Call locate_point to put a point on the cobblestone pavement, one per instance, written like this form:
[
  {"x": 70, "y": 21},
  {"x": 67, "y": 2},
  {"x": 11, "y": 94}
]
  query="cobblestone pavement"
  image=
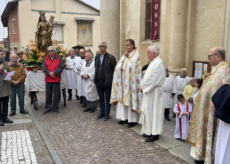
[
  {"x": 39, "y": 148},
  {"x": 79, "y": 138}
]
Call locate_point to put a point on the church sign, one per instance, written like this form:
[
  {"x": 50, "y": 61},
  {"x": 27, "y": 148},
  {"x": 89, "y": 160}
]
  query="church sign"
[{"x": 155, "y": 20}]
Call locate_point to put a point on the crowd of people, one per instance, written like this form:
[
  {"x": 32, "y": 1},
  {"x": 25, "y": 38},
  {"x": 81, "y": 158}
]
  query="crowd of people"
[{"x": 142, "y": 96}]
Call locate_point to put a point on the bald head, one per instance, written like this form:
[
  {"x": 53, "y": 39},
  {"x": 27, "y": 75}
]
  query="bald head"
[
  {"x": 88, "y": 56},
  {"x": 216, "y": 55},
  {"x": 82, "y": 53},
  {"x": 13, "y": 58}
]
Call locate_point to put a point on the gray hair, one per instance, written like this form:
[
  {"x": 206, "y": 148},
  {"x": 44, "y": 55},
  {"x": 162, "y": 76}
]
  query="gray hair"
[
  {"x": 103, "y": 43},
  {"x": 183, "y": 69},
  {"x": 90, "y": 54},
  {"x": 220, "y": 52},
  {"x": 52, "y": 48},
  {"x": 154, "y": 49},
  {"x": 72, "y": 49}
]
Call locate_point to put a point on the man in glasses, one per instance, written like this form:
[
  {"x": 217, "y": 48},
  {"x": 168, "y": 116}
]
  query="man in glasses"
[
  {"x": 105, "y": 64},
  {"x": 204, "y": 125},
  {"x": 52, "y": 67}
]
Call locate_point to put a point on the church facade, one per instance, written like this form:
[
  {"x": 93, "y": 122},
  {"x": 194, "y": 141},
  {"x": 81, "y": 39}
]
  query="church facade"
[
  {"x": 188, "y": 29},
  {"x": 77, "y": 23}
]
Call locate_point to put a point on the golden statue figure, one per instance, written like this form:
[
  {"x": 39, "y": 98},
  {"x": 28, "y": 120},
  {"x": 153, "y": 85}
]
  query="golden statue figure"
[
  {"x": 50, "y": 24},
  {"x": 43, "y": 36}
]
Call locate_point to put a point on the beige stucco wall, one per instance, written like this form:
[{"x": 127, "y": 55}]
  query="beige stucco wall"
[
  {"x": 202, "y": 22},
  {"x": 28, "y": 20}
]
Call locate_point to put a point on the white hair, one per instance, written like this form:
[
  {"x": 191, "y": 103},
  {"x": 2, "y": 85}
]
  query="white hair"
[
  {"x": 154, "y": 49},
  {"x": 52, "y": 48},
  {"x": 105, "y": 44},
  {"x": 90, "y": 54},
  {"x": 183, "y": 69}
]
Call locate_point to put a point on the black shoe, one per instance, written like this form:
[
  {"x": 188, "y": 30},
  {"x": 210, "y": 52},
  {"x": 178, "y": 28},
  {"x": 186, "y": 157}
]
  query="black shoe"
[
  {"x": 100, "y": 116},
  {"x": 1, "y": 122},
  {"x": 24, "y": 112},
  {"x": 198, "y": 162},
  {"x": 12, "y": 113},
  {"x": 81, "y": 102},
  {"x": 145, "y": 135},
  {"x": 152, "y": 138},
  {"x": 130, "y": 125},
  {"x": 47, "y": 111},
  {"x": 77, "y": 97},
  {"x": 84, "y": 105},
  {"x": 86, "y": 110},
  {"x": 69, "y": 99},
  {"x": 91, "y": 110},
  {"x": 122, "y": 122},
  {"x": 168, "y": 119},
  {"x": 7, "y": 120}
]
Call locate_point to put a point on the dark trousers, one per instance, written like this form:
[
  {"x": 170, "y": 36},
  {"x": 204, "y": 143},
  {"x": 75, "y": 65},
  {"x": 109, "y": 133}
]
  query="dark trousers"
[
  {"x": 102, "y": 90},
  {"x": 90, "y": 104},
  {"x": 20, "y": 90},
  {"x": 83, "y": 98},
  {"x": 167, "y": 112},
  {"x": 50, "y": 88},
  {"x": 70, "y": 93},
  {"x": 4, "y": 103}
]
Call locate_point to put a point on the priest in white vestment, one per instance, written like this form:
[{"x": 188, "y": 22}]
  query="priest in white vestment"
[
  {"x": 168, "y": 93},
  {"x": 88, "y": 73},
  {"x": 125, "y": 88},
  {"x": 71, "y": 75},
  {"x": 80, "y": 80},
  {"x": 181, "y": 81},
  {"x": 152, "y": 108}
]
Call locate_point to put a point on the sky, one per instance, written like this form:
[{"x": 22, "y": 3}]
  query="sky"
[{"x": 3, "y": 31}]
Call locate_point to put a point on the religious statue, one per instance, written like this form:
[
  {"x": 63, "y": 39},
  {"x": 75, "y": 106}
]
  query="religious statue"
[
  {"x": 43, "y": 34},
  {"x": 50, "y": 24}
]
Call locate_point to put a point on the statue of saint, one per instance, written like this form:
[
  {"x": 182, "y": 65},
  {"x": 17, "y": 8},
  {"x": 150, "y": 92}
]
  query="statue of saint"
[
  {"x": 43, "y": 36},
  {"x": 51, "y": 24}
]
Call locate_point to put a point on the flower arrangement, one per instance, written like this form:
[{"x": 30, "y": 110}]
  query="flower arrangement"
[{"x": 34, "y": 57}]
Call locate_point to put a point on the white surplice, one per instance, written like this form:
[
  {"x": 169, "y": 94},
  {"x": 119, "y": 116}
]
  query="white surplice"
[
  {"x": 152, "y": 108},
  {"x": 222, "y": 155},
  {"x": 80, "y": 82},
  {"x": 89, "y": 85},
  {"x": 179, "y": 85},
  {"x": 182, "y": 122},
  {"x": 168, "y": 90},
  {"x": 71, "y": 75}
]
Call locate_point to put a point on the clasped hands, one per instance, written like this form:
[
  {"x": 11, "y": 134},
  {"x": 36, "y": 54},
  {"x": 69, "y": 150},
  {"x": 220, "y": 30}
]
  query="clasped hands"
[
  {"x": 184, "y": 114},
  {"x": 85, "y": 76},
  {"x": 52, "y": 75}
]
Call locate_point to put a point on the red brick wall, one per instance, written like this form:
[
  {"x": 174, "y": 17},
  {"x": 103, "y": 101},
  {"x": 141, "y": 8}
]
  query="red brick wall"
[{"x": 13, "y": 14}]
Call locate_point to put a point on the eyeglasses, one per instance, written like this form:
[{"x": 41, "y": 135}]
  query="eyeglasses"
[
  {"x": 100, "y": 46},
  {"x": 211, "y": 55},
  {"x": 51, "y": 51}
]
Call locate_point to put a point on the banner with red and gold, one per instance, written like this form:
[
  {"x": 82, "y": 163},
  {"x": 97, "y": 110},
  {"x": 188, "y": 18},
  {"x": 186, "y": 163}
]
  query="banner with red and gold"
[{"x": 155, "y": 20}]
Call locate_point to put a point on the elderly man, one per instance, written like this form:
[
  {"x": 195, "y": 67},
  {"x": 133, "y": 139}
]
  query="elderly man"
[
  {"x": 71, "y": 75},
  {"x": 80, "y": 81},
  {"x": 204, "y": 126},
  {"x": 88, "y": 73},
  {"x": 180, "y": 83},
  {"x": 126, "y": 83},
  {"x": 17, "y": 84},
  {"x": 168, "y": 93},
  {"x": 104, "y": 67},
  {"x": 152, "y": 108},
  {"x": 52, "y": 67},
  {"x": 5, "y": 91},
  {"x": 89, "y": 50}
]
